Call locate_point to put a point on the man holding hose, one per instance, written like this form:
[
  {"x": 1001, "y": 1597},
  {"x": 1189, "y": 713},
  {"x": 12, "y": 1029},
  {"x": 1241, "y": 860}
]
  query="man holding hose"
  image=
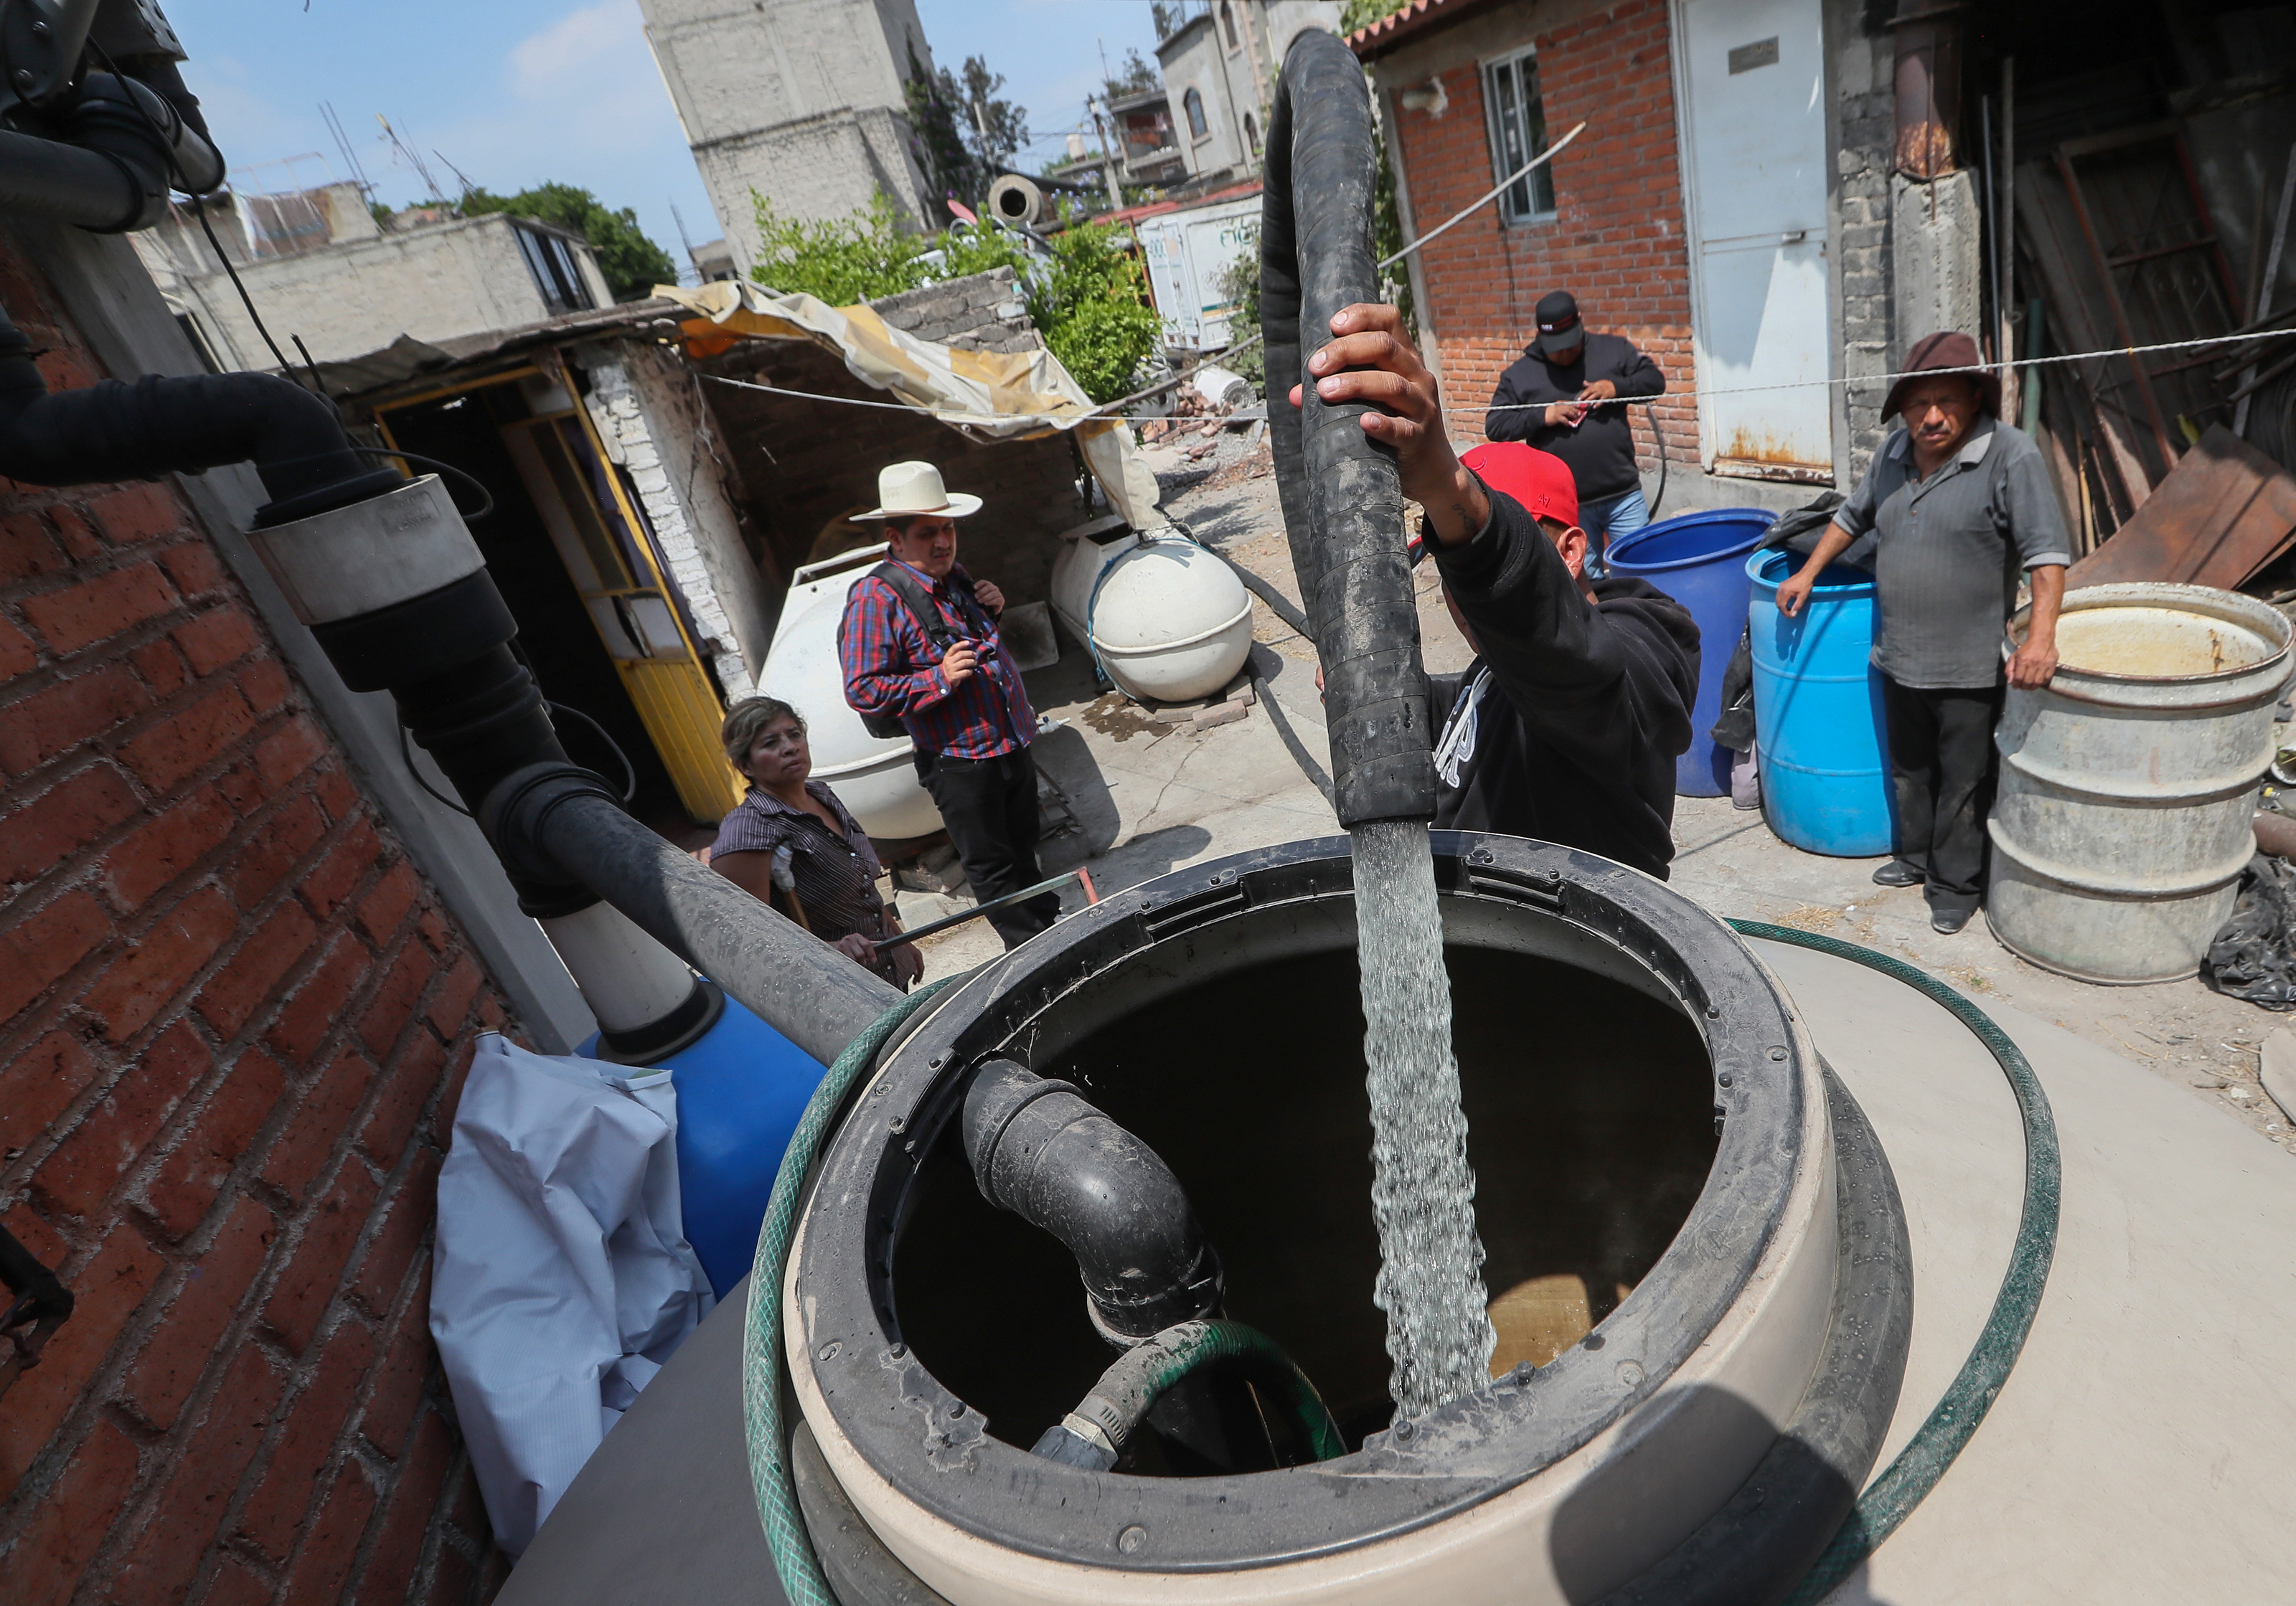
[{"x": 1567, "y": 725}]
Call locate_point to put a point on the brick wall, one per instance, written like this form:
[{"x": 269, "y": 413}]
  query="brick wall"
[
  {"x": 1616, "y": 241},
  {"x": 235, "y": 1021}
]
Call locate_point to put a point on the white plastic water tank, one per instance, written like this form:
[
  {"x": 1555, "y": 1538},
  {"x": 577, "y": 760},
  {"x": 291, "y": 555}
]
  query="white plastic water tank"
[
  {"x": 874, "y": 777},
  {"x": 1169, "y": 620}
]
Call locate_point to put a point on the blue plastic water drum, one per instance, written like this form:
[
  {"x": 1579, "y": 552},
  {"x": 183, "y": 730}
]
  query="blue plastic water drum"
[
  {"x": 1699, "y": 560},
  {"x": 740, "y": 1088},
  {"x": 1817, "y": 711}
]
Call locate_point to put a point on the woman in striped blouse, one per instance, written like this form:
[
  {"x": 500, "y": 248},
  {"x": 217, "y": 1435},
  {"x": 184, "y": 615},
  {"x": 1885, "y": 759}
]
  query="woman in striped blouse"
[{"x": 794, "y": 845}]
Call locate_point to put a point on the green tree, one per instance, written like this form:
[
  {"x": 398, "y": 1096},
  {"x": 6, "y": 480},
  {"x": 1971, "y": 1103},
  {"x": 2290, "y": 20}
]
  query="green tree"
[
  {"x": 998, "y": 128},
  {"x": 1087, "y": 298},
  {"x": 1136, "y": 75},
  {"x": 841, "y": 260},
  {"x": 937, "y": 137},
  {"x": 632, "y": 263},
  {"x": 1363, "y": 14}
]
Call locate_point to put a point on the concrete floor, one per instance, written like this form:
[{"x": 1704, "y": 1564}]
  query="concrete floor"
[{"x": 1148, "y": 792}]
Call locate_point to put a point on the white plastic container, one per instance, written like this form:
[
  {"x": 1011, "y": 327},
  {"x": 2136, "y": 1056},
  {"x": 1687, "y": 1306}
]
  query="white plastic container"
[
  {"x": 874, "y": 777},
  {"x": 1168, "y": 620}
]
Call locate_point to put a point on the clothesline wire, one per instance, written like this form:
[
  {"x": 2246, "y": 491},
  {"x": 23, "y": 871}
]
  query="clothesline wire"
[{"x": 2131, "y": 352}]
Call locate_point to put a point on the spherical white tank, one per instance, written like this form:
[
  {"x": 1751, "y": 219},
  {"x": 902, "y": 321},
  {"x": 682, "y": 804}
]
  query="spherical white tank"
[
  {"x": 1167, "y": 619},
  {"x": 874, "y": 777}
]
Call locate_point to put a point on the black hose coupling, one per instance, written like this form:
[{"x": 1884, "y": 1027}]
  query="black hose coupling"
[
  {"x": 513, "y": 815},
  {"x": 1040, "y": 1150}
]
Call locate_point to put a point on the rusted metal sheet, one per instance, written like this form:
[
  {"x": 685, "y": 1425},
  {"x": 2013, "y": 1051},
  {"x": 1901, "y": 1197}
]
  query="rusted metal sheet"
[{"x": 2224, "y": 511}]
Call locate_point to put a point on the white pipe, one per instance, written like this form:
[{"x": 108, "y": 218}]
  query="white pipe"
[{"x": 626, "y": 978}]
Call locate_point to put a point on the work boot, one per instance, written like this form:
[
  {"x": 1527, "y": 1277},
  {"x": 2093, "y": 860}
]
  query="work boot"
[
  {"x": 1949, "y": 921},
  {"x": 1897, "y": 872}
]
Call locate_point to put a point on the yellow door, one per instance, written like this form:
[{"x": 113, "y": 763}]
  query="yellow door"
[{"x": 614, "y": 569}]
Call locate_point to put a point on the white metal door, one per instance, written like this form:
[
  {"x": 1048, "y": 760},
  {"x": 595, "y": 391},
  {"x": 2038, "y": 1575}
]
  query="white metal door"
[{"x": 1749, "y": 76}]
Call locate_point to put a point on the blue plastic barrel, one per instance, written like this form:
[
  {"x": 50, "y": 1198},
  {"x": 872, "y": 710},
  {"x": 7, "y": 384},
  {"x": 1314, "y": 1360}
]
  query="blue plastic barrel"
[
  {"x": 1817, "y": 711},
  {"x": 740, "y": 1088},
  {"x": 1699, "y": 560}
]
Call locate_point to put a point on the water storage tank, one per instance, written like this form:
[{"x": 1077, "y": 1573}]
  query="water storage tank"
[
  {"x": 2122, "y": 816},
  {"x": 1664, "y": 1157},
  {"x": 1700, "y": 561},
  {"x": 1168, "y": 620},
  {"x": 1817, "y": 711},
  {"x": 874, "y": 777}
]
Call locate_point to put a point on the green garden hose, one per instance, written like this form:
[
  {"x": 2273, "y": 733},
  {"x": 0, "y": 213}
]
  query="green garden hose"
[
  {"x": 1104, "y": 1419},
  {"x": 761, "y": 1347},
  {"x": 1890, "y": 1499}
]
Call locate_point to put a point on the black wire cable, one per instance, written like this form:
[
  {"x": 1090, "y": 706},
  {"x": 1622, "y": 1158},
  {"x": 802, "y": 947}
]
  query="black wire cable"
[
  {"x": 629, "y": 770},
  {"x": 486, "y": 496},
  {"x": 198, "y": 205}
]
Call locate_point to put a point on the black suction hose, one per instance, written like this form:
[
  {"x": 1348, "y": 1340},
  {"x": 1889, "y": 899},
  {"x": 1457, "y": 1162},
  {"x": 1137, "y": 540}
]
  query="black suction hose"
[
  {"x": 160, "y": 425},
  {"x": 1343, "y": 498}
]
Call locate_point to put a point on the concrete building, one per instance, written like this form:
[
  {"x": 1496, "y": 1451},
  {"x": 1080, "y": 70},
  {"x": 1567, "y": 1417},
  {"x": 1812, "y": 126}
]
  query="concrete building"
[
  {"x": 1143, "y": 130},
  {"x": 1220, "y": 68},
  {"x": 801, "y": 102},
  {"x": 347, "y": 287}
]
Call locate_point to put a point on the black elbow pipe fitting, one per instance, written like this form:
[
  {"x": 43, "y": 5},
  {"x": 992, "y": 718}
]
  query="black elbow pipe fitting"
[
  {"x": 106, "y": 158},
  {"x": 1040, "y": 1151},
  {"x": 1343, "y": 498}
]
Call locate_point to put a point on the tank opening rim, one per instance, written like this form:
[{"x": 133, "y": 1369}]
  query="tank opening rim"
[{"x": 879, "y": 1396}]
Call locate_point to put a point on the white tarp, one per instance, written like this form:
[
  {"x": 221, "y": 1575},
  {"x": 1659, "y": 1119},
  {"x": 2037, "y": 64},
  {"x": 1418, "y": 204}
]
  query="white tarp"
[
  {"x": 988, "y": 395},
  {"x": 563, "y": 1280}
]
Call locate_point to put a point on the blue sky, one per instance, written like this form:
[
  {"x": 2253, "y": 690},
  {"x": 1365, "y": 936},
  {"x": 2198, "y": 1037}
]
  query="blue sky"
[{"x": 519, "y": 92}]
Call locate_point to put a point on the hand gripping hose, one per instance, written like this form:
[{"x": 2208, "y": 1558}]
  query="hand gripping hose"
[
  {"x": 761, "y": 1343},
  {"x": 1343, "y": 498},
  {"x": 1094, "y": 1434},
  {"x": 1890, "y": 1499}
]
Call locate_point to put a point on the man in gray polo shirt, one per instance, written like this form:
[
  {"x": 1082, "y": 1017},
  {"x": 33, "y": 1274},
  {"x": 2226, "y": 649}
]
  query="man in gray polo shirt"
[{"x": 1959, "y": 503}]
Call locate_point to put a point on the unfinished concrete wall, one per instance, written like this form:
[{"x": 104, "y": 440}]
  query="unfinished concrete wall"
[
  {"x": 461, "y": 278},
  {"x": 643, "y": 400},
  {"x": 801, "y": 103},
  {"x": 981, "y": 311}
]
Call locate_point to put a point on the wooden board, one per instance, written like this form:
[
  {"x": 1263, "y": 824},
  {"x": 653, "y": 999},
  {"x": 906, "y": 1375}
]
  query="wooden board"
[{"x": 2222, "y": 513}]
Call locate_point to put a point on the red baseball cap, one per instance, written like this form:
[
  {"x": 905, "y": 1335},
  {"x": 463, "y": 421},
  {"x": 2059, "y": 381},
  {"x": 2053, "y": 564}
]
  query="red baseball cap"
[{"x": 1541, "y": 480}]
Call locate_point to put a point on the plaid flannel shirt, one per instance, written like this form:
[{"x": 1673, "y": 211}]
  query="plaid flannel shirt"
[{"x": 891, "y": 668}]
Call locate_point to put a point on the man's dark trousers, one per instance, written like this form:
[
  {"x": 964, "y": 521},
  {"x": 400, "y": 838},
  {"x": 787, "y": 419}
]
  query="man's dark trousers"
[
  {"x": 1942, "y": 764},
  {"x": 990, "y": 806}
]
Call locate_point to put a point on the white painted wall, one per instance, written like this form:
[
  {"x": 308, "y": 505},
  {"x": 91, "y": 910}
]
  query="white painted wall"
[{"x": 434, "y": 284}]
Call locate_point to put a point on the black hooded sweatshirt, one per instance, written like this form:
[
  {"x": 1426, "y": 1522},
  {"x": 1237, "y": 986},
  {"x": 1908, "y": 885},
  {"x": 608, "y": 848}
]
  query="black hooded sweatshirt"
[{"x": 1587, "y": 707}]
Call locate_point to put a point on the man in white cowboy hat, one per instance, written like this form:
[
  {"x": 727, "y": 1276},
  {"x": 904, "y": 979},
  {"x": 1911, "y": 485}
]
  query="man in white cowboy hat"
[{"x": 920, "y": 653}]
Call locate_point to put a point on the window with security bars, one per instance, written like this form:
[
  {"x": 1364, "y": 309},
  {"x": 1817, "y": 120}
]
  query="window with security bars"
[{"x": 1518, "y": 133}]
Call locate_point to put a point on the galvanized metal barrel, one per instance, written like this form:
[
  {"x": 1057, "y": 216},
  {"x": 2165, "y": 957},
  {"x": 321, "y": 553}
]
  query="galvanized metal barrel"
[{"x": 2121, "y": 820}]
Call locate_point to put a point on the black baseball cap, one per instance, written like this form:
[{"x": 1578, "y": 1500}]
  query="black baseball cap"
[{"x": 1558, "y": 323}]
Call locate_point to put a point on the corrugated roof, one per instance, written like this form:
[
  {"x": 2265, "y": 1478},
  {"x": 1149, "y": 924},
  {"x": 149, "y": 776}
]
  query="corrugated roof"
[{"x": 1407, "y": 22}]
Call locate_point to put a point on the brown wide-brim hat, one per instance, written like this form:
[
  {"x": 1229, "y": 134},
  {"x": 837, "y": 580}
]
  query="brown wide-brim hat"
[{"x": 1950, "y": 349}]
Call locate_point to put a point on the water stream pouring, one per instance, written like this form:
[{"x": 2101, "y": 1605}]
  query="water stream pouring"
[{"x": 1343, "y": 509}]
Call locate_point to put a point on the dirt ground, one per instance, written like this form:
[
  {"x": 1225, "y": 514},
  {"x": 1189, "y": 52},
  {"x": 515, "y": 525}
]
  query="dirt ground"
[{"x": 1136, "y": 792}]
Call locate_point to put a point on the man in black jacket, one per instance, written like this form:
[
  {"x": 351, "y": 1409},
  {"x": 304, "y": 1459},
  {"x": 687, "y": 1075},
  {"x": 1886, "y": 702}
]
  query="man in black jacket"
[
  {"x": 1567, "y": 725},
  {"x": 1552, "y": 398}
]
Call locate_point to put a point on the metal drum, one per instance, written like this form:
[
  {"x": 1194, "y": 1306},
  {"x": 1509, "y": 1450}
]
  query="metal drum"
[{"x": 2122, "y": 817}]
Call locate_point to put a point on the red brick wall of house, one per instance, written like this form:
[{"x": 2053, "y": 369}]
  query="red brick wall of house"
[
  {"x": 1616, "y": 241},
  {"x": 235, "y": 1021}
]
